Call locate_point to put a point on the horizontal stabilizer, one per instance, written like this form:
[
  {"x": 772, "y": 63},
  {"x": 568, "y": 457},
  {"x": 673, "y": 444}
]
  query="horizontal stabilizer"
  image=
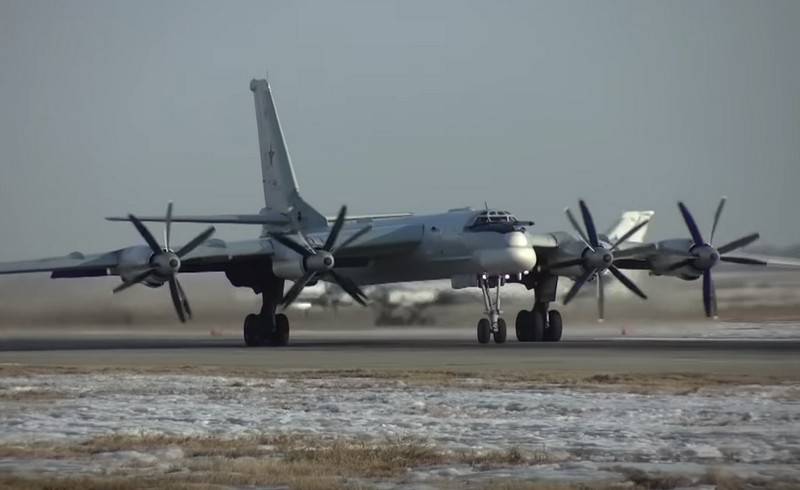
[{"x": 234, "y": 219}]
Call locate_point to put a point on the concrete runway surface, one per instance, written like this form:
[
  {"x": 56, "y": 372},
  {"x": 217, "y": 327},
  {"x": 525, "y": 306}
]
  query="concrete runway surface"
[{"x": 585, "y": 350}]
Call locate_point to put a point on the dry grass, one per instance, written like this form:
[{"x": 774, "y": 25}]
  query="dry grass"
[
  {"x": 191, "y": 446},
  {"x": 297, "y": 461},
  {"x": 30, "y": 395},
  {"x": 379, "y": 458},
  {"x": 307, "y": 463}
]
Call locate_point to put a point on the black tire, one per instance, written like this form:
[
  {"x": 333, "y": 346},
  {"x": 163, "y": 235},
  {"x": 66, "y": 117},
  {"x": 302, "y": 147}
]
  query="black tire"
[
  {"x": 500, "y": 334},
  {"x": 251, "y": 330},
  {"x": 554, "y": 328},
  {"x": 484, "y": 331},
  {"x": 523, "y": 325},
  {"x": 280, "y": 337},
  {"x": 536, "y": 327}
]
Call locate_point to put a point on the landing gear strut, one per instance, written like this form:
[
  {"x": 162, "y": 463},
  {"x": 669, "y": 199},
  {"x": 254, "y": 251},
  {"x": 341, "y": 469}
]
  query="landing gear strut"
[
  {"x": 268, "y": 327},
  {"x": 493, "y": 326}
]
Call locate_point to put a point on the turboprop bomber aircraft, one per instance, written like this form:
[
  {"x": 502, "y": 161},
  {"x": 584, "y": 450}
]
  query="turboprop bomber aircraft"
[{"x": 473, "y": 248}]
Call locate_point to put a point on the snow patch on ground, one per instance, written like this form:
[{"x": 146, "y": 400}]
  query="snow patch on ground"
[{"x": 757, "y": 428}]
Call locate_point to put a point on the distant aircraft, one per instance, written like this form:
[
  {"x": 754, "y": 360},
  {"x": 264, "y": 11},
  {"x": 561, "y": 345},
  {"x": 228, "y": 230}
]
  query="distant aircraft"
[{"x": 472, "y": 248}]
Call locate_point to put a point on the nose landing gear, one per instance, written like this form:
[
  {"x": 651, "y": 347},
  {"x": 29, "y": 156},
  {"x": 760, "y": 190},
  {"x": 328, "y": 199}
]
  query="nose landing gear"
[{"x": 494, "y": 325}]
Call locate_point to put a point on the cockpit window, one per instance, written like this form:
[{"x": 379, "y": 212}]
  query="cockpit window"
[
  {"x": 494, "y": 217},
  {"x": 493, "y": 220}
]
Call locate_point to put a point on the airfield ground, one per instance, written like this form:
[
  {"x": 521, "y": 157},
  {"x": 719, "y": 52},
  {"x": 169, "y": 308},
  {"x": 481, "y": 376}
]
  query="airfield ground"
[{"x": 699, "y": 405}]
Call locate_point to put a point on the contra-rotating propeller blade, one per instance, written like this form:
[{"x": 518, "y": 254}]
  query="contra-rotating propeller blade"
[
  {"x": 588, "y": 222},
  {"x": 599, "y": 256},
  {"x": 176, "y": 299},
  {"x": 350, "y": 287},
  {"x": 297, "y": 288},
  {"x": 325, "y": 266},
  {"x": 703, "y": 257},
  {"x": 165, "y": 263},
  {"x": 576, "y": 226},
  {"x": 134, "y": 280}
]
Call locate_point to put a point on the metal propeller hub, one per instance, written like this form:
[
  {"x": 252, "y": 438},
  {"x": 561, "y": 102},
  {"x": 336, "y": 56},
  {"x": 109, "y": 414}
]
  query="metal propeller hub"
[
  {"x": 321, "y": 261},
  {"x": 598, "y": 259},
  {"x": 706, "y": 257},
  {"x": 166, "y": 264}
]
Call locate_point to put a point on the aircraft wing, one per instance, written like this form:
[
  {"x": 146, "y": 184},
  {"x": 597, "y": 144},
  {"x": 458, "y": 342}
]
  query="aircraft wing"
[
  {"x": 215, "y": 254},
  {"x": 74, "y": 263},
  {"x": 212, "y": 255},
  {"x": 773, "y": 261}
]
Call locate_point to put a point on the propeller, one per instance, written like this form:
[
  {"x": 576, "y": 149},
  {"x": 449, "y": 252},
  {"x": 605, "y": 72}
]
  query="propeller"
[
  {"x": 165, "y": 263},
  {"x": 598, "y": 257},
  {"x": 703, "y": 256},
  {"x": 320, "y": 262}
]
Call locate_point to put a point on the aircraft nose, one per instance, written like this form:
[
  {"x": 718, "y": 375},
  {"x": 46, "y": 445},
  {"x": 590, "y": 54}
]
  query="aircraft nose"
[
  {"x": 517, "y": 239},
  {"x": 514, "y": 256},
  {"x": 522, "y": 258}
]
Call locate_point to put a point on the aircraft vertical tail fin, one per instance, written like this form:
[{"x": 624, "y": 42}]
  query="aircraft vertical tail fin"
[
  {"x": 626, "y": 222},
  {"x": 281, "y": 194}
]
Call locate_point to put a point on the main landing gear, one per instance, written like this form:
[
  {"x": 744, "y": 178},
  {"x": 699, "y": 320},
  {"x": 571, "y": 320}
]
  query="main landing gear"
[
  {"x": 260, "y": 330},
  {"x": 538, "y": 324},
  {"x": 493, "y": 326},
  {"x": 268, "y": 327}
]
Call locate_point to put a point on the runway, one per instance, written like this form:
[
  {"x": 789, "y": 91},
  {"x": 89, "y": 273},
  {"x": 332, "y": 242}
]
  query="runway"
[{"x": 401, "y": 349}]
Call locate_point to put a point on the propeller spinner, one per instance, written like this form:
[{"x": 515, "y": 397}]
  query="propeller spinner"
[
  {"x": 598, "y": 257},
  {"x": 703, "y": 256},
  {"x": 320, "y": 262},
  {"x": 165, "y": 263}
]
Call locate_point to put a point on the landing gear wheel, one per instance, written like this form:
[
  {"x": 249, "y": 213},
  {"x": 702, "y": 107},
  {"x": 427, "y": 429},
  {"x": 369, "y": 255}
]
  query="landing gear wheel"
[
  {"x": 523, "y": 320},
  {"x": 500, "y": 334},
  {"x": 536, "y": 326},
  {"x": 280, "y": 337},
  {"x": 553, "y": 331},
  {"x": 484, "y": 331},
  {"x": 252, "y": 331}
]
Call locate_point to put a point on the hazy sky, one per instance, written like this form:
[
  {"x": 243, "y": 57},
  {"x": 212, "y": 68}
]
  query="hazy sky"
[{"x": 108, "y": 107}]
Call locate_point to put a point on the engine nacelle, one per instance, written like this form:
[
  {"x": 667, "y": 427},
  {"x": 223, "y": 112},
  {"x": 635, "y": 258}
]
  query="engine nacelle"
[
  {"x": 131, "y": 260},
  {"x": 291, "y": 269},
  {"x": 671, "y": 252},
  {"x": 295, "y": 268}
]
